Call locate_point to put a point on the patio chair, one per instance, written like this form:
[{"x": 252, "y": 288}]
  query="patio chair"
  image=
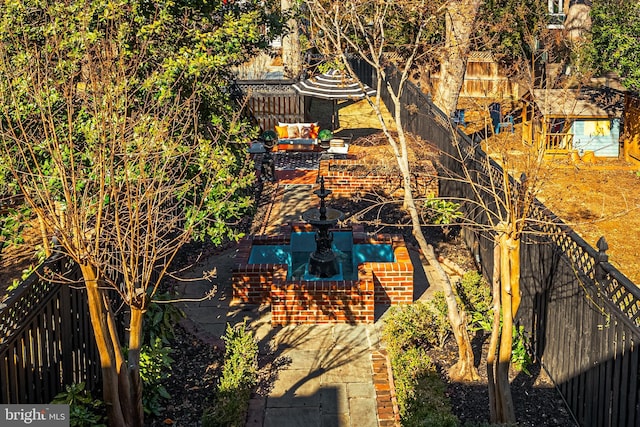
[
  {"x": 458, "y": 117},
  {"x": 500, "y": 121},
  {"x": 506, "y": 122}
]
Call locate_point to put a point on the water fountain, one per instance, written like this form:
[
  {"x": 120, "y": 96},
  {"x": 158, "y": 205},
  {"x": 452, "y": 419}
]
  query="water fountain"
[
  {"x": 315, "y": 272},
  {"x": 323, "y": 262}
]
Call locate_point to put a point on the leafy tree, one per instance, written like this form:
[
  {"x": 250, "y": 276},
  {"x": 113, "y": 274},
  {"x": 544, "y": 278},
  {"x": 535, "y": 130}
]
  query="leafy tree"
[
  {"x": 118, "y": 127},
  {"x": 508, "y": 26},
  {"x": 615, "y": 39}
]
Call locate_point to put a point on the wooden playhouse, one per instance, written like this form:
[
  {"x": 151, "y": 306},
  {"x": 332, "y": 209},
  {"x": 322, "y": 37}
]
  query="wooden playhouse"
[{"x": 564, "y": 121}]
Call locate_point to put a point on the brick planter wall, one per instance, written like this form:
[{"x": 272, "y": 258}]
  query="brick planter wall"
[
  {"x": 252, "y": 282},
  {"x": 345, "y": 183},
  {"x": 319, "y": 301},
  {"x": 349, "y": 301},
  {"x": 393, "y": 282}
]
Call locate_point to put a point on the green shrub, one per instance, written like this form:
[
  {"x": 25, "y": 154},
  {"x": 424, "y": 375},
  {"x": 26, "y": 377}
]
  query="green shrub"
[
  {"x": 84, "y": 410},
  {"x": 408, "y": 366},
  {"x": 160, "y": 319},
  {"x": 417, "y": 324},
  {"x": 474, "y": 295},
  {"x": 440, "y": 211},
  {"x": 441, "y": 323},
  {"x": 520, "y": 357},
  {"x": 155, "y": 367},
  {"x": 420, "y": 391},
  {"x": 239, "y": 376}
]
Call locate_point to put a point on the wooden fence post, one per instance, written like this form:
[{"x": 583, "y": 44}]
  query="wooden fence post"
[
  {"x": 601, "y": 258},
  {"x": 66, "y": 329}
]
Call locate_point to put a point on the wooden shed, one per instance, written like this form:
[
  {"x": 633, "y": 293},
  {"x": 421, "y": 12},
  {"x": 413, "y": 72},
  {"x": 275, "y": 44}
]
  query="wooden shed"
[
  {"x": 482, "y": 79},
  {"x": 561, "y": 121}
]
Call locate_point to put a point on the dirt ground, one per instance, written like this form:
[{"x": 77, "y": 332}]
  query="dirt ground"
[
  {"x": 600, "y": 202},
  {"x": 595, "y": 199}
]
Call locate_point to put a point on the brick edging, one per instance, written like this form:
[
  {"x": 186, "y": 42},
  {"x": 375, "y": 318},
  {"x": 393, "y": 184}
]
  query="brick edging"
[{"x": 386, "y": 401}]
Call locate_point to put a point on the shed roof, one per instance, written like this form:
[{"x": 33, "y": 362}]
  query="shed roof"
[
  {"x": 588, "y": 102},
  {"x": 481, "y": 56}
]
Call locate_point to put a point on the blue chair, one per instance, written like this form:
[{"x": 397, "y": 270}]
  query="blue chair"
[
  {"x": 499, "y": 121},
  {"x": 458, "y": 118},
  {"x": 507, "y": 121}
]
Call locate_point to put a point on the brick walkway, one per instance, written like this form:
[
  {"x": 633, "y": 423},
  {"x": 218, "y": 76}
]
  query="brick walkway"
[{"x": 386, "y": 402}]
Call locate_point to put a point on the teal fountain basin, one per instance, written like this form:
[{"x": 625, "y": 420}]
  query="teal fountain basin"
[{"x": 296, "y": 255}]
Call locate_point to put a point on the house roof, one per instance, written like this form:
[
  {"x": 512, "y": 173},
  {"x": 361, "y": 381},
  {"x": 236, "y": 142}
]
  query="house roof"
[{"x": 587, "y": 102}]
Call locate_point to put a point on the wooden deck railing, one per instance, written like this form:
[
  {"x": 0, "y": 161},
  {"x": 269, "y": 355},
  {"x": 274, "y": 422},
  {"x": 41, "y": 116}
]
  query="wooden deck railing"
[{"x": 557, "y": 143}]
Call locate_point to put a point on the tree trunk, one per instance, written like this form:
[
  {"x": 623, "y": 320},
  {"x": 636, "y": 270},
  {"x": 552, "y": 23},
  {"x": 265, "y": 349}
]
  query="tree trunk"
[
  {"x": 291, "y": 55},
  {"x": 507, "y": 410},
  {"x": 459, "y": 25},
  {"x": 464, "y": 369},
  {"x": 119, "y": 410},
  {"x": 44, "y": 235},
  {"x": 514, "y": 264},
  {"x": 135, "y": 345},
  {"x": 494, "y": 401}
]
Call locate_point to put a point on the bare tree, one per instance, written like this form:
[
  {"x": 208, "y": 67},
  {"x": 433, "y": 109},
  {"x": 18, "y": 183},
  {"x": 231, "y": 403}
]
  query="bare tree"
[
  {"x": 500, "y": 207},
  {"x": 359, "y": 27}
]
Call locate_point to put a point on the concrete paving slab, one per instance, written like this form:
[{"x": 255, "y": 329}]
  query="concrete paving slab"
[
  {"x": 362, "y": 412},
  {"x": 295, "y": 388},
  {"x": 310, "y": 337},
  {"x": 364, "y": 389},
  {"x": 353, "y": 335},
  {"x": 301, "y": 359},
  {"x": 347, "y": 373},
  {"x": 332, "y": 358},
  {"x": 334, "y": 399},
  {"x": 295, "y": 200},
  {"x": 335, "y": 420},
  {"x": 292, "y": 417}
]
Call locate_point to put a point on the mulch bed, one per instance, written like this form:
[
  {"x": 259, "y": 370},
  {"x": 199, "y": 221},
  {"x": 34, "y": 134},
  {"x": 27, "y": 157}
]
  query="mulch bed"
[{"x": 537, "y": 402}]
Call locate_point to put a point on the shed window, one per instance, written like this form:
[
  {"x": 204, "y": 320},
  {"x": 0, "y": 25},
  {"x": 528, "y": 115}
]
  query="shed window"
[{"x": 559, "y": 125}]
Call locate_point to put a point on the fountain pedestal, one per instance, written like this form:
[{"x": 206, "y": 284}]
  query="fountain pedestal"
[{"x": 323, "y": 262}]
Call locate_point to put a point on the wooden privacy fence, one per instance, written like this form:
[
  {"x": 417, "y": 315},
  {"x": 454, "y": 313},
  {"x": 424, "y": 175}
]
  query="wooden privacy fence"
[
  {"x": 46, "y": 340},
  {"x": 581, "y": 314},
  {"x": 268, "y": 102}
]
